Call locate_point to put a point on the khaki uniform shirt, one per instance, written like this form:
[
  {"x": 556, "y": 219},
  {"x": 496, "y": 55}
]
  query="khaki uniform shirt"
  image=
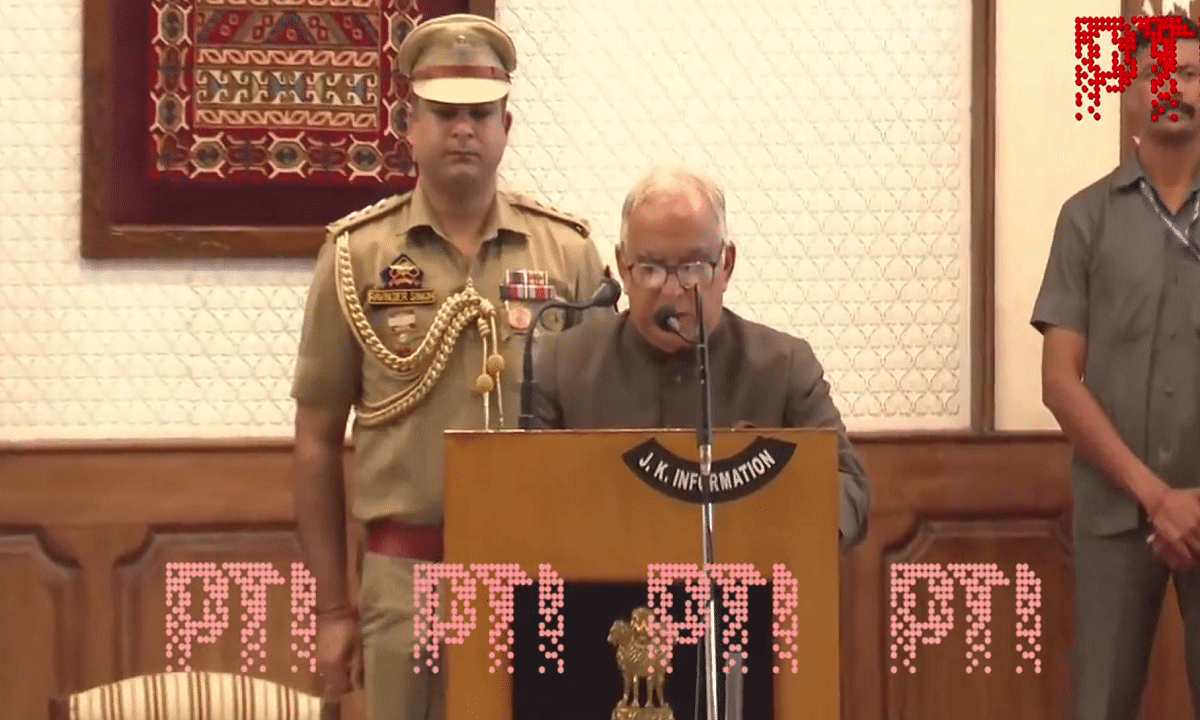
[
  {"x": 604, "y": 375},
  {"x": 527, "y": 247},
  {"x": 1117, "y": 275}
]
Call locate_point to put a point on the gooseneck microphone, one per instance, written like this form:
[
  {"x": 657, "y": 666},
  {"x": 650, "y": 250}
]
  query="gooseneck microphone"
[
  {"x": 667, "y": 319},
  {"x": 606, "y": 295}
]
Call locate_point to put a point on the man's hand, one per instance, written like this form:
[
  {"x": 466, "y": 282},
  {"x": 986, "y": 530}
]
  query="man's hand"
[
  {"x": 1163, "y": 553},
  {"x": 1176, "y": 536},
  {"x": 338, "y": 654}
]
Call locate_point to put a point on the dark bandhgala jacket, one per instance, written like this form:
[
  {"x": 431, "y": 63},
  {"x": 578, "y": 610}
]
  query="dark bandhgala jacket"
[{"x": 603, "y": 374}]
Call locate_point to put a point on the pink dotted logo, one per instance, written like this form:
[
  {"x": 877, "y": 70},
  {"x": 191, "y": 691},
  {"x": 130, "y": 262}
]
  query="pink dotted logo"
[
  {"x": 734, "y": 581},
  {"x": 976, "y": 581},
  {"x": 252, "y": 580},
  {"x": 1091, "y": 79}
]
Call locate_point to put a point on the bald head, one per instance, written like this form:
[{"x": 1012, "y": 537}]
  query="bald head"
[{"x": 676, "y": 190}]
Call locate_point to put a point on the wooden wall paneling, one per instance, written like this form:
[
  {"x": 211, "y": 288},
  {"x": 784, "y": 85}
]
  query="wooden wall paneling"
[
  {"x": 958, "y": 499},
  {"x": 1000, "y": 499},
  {"x": 86, "y": 534},
  {"x": 983, "y": 216},
  {"x": 217, "y": 598},
  {"x": 95, "y": 631},
  {"x": 40, "y": 596},
  {"x": 979, "y": 564},
  {"x": 101, "y": 523}
]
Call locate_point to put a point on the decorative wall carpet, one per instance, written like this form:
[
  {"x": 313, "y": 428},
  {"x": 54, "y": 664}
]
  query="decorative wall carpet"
[{"x": 270, "y": 90}]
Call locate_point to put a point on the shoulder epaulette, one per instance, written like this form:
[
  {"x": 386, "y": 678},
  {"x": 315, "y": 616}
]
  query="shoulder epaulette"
[
  {"x": 527, "y": 203},
  {"x": 370, "y": 212}
]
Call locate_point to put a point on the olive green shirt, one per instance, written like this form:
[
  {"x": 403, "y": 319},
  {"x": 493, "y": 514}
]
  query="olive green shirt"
[
  {"x": 1118, "y": 276},
  {"x": 603, "y": 374},
  {"x": 397, "y": 469}
]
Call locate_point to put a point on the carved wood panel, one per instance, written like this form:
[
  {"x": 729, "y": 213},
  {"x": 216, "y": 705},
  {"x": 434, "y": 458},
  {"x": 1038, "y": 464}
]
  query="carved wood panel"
[
  {"x": 229, "y": 599},
  {"x": 983, "y": 607},
  {"x": 40, "y": 594}
]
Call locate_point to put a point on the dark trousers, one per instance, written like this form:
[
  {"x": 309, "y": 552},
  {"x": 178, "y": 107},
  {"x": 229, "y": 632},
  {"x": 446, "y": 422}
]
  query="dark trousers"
[{"x": 1119, "y": 591}]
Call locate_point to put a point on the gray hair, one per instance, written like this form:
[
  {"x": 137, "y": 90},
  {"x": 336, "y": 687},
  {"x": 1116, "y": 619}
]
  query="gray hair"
[{"x": 671, "y": 180}]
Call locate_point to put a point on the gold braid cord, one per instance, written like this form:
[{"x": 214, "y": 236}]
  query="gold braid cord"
[{"x": 452, "y": 318}]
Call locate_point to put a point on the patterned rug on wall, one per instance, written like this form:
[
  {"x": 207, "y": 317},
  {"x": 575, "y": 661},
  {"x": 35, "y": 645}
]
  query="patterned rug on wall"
[
  {"x": 268, "y": 89},
  {"x": 257, "y": 112}
]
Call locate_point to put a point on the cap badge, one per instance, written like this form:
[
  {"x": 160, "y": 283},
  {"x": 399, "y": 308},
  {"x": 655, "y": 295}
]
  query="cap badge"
[{"x": 462, "y": 49}]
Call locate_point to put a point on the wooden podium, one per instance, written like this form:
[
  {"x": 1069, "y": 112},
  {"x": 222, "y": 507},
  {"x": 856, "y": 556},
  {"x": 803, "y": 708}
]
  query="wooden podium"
[{"x": 572, "y": 499}]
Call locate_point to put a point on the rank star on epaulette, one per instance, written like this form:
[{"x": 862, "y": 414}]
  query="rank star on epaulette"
[{"x": 401, "y": 285}]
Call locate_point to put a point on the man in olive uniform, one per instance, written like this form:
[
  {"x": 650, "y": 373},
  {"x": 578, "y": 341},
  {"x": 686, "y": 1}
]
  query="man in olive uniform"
[
  {"x": 416, "y": 318},
  {"x": 623, "y": 371},
  {"x": 1119, "y": 310}
]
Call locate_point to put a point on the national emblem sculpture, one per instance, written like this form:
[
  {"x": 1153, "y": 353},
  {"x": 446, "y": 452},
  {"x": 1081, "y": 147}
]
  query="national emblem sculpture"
[{"x": 640, "y": 660}]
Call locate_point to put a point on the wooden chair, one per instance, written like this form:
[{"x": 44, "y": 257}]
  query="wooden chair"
[{"x": 192, "y": 696}]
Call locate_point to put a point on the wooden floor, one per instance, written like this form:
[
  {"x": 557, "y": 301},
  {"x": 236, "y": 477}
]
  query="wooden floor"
[{"x": 109, "y": 553}]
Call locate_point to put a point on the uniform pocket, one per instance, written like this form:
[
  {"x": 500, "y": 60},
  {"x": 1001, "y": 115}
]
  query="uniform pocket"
[
  {"x": 518, "y": 317},
  {"x": 402, "y": 330},
  {"x": 1133, "y": 314}
]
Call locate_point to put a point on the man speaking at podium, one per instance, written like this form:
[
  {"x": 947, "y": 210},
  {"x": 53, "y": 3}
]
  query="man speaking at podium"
[{"x": 638, "y": 369}]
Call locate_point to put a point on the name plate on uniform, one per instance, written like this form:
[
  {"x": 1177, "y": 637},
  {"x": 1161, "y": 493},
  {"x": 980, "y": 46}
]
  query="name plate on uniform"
[
  {"x": 734, "y": 477},
  {"x": 383, "y": 296}
]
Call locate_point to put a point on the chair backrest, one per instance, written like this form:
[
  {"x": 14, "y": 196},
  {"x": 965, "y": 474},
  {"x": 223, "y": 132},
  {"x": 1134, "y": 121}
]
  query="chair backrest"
[{"x": 192, "y": 696}]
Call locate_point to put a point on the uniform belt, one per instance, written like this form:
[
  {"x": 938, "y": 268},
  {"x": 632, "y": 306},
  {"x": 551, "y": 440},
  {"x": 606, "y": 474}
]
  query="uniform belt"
[{"x": 417, "y": 542}]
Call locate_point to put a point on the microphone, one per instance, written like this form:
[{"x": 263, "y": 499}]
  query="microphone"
[
  {"x": 605, "y": 296},
  {"x": 667, "y": 320}
]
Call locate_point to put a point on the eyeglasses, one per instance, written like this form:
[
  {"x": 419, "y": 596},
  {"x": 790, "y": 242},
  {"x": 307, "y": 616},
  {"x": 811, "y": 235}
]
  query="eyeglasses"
[{"x": 653, "y": 276}]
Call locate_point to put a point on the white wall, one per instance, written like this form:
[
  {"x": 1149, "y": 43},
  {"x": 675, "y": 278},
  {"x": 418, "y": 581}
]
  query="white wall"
[
  {"x": 842, "y": 135},
  {"x": 1043, "y": 156},
  {"x": 842, "y": 214}
]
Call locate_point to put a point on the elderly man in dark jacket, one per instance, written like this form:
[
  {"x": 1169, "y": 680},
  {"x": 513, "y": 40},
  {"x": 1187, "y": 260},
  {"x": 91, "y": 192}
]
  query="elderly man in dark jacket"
[{"x": 624, "y": 371}]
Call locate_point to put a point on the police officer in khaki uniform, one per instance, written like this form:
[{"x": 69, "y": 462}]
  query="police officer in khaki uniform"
[
  {"x": 416, "y": 318},
  {"x": 624, "y": 371}
]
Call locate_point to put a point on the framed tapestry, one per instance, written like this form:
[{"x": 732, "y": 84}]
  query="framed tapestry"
[
  {"x": 1134, "y": 8},
  {"x": 240, "y": 128}
]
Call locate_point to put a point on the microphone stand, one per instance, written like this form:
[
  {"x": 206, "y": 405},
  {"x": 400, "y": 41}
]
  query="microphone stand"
[
  {"x": 704, "y": 434},
  {"x": 607, "y": 294},
  {"x": 529, "y": 421}
]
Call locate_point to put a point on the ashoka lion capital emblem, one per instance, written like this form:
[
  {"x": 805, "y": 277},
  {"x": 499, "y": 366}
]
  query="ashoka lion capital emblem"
[{"x": 639, "y": 658}]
